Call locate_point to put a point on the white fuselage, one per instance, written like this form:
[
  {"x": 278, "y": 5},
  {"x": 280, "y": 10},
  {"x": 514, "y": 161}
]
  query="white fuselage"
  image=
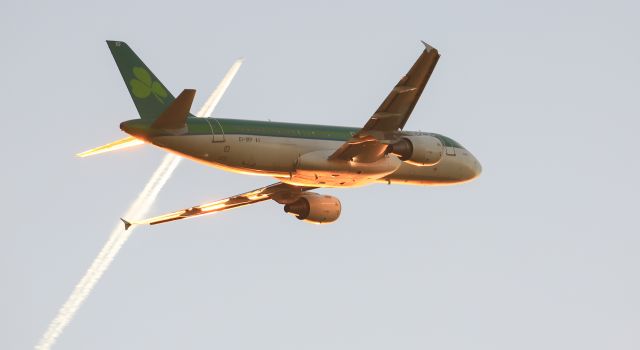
[{"x": 285, "y": 157}]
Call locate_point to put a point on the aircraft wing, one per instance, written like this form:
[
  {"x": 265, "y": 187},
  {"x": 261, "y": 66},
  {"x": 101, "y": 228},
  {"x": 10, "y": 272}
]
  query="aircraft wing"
[
  {"x": 280, "y": 192},
  {"x": 395, "y": 110},
  {"x": 393, "y": 113}
]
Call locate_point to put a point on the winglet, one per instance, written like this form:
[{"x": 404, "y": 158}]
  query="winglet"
[
  {"x": 127, "y": 224},
  {"x": 427, "y": 46}
]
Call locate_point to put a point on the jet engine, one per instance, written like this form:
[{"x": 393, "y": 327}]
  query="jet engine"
[
  {"x": 315, "y": 208},
  {"x": 423, "y": 150}
]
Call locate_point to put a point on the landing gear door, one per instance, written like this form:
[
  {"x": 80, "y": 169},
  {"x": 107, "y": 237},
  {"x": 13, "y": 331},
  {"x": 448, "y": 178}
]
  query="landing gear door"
[{"x": 216, "y": 130}]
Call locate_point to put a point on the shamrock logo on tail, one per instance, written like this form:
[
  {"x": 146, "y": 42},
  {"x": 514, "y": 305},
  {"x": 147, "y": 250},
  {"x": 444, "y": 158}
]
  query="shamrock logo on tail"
[{"x": 142, "y": 85}]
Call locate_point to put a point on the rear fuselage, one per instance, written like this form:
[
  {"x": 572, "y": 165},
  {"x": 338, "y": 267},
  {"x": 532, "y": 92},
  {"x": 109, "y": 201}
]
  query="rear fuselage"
[{"x": 284, "y": 150}]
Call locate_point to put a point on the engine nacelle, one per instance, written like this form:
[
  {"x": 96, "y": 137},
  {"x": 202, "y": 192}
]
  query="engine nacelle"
[
  {"x": 423, "y": 150},
  {"x": 315, "y": 208}
]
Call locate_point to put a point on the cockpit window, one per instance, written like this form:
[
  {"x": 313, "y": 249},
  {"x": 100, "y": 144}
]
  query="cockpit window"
[{"x": 449, "y": 142}]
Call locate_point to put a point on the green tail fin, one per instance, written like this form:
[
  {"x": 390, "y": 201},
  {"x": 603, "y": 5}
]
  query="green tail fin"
[{"x": 149, "y": 95}]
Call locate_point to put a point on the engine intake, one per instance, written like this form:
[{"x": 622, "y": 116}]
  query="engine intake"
[
  {"x": 315, "y": 208},
  {"x": 423, "y": 150}
]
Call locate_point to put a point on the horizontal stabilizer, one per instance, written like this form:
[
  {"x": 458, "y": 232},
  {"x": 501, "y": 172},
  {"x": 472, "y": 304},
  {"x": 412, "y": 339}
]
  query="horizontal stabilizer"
[
  {"x": 115, "y": 145},
  {"x": 175, "y": 116}
]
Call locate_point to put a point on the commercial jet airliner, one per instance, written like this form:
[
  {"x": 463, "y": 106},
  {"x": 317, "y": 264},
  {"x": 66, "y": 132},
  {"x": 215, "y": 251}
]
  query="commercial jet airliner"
[{"x": 301, "y": 157}]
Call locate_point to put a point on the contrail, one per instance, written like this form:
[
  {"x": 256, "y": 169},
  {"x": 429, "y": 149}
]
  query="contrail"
[
  {"x": 216, "y": 95},
  {"x": 117, "y": 238},
  {"x": 139, "y": 208}
]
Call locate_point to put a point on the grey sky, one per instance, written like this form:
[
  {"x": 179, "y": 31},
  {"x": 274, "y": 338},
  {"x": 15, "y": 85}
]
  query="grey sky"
[{"x": 540, "y": 252}]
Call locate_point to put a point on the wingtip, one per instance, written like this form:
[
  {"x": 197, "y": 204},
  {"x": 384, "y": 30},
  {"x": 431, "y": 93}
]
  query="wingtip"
[
  {"x": 427, "y": 46},
  {"x": 127, "y": 224}
]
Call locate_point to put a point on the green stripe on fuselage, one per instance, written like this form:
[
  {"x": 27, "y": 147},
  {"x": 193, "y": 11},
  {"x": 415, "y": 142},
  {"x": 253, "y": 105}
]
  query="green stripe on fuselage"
[
  {"x": 205, "y": 126},
  {"x": 291, "y": 130},
  {"x": 275, "y": 129}
]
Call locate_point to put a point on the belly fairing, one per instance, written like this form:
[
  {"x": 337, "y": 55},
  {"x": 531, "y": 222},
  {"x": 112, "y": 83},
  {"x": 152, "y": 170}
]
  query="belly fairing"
[{"x": 314, "y": 169}]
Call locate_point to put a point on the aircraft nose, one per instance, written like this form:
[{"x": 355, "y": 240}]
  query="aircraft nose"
[
  {"x": 472, "y": 168},
  {"x": 477, "y": 167}
]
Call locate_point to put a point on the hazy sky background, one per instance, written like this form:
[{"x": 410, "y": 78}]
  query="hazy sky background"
[{"x": 541, "y": 252}]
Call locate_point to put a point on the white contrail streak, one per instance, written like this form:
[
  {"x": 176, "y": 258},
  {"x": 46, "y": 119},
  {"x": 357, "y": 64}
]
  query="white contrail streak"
[
  {"x": 119, "y": 235},
  {"x": 216, "y": 95}
]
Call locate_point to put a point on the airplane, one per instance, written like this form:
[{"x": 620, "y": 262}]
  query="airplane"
[{"x": 301, "y": 157}]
